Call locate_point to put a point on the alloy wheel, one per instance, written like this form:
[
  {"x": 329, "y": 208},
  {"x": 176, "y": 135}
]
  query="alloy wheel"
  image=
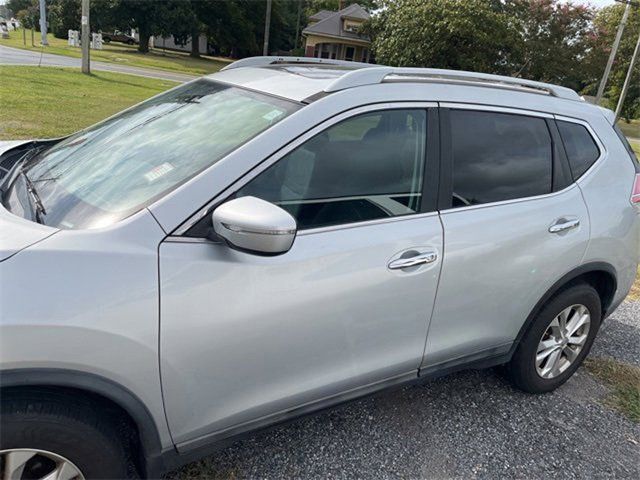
[
  {"x": 33, "y": 464},
  {"x": 562, "y": 341}
]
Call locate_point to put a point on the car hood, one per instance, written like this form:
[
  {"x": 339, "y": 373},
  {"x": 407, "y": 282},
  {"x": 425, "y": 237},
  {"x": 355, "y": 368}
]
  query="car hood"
[
  {"x": 17, "y": 234},
  {"x": 9, "y": 144}
]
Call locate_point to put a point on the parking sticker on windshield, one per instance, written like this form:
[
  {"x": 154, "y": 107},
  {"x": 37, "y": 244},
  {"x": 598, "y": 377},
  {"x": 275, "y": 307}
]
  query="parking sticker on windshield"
[
  {"x": 157, "y": 172},
  {"x": 272, "y": 115}
]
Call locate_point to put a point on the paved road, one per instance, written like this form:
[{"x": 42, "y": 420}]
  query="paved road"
[
  {"x": 15, "y": 56},
  {"x": 468, "y": 425}
]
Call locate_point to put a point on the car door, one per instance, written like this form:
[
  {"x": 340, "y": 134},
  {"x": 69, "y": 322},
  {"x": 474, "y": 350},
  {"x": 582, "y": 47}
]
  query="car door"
[
  {"x": 247, "y": 340},
  {"x": 514, "y": 224}
]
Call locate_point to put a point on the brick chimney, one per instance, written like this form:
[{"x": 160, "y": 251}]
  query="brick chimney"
[{"x": 340, "y": 4}]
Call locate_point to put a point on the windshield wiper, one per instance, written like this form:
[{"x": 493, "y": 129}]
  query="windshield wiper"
[
  {"x": 36, "y": 203},
  {"x": 14, "y": 171}
]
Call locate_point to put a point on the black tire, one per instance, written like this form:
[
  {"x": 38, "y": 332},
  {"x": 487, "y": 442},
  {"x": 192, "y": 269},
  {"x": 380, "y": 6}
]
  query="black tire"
[
  {"x": 69, "y": 426},
  {"x": 522, "y": 368},
  {"x": 130, "y": 42},
  {"x": 106, "y": 39}
]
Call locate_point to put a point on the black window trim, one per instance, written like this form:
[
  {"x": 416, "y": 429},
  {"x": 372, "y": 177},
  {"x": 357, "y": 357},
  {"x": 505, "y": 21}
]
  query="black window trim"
[
  {"x": 431, "y": 168},
  {"x": 560, "y": 162}
]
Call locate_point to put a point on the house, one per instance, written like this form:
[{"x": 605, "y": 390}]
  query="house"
[{"x": 336, "y": 35}]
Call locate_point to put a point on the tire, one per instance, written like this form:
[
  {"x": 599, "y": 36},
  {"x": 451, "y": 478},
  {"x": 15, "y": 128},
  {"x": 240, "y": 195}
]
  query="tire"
[
  {"x": 67, "y": 426},
  {"x": 106, "y": 39},
  {"x": 525, "y": 371},
  {"x": 130, "y": 42}
]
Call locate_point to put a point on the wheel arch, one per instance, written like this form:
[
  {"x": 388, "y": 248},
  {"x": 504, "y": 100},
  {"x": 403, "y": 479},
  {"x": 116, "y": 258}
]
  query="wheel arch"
[
  {"x": 96, "y": 386},
  {"x": 600, "y": 275}
]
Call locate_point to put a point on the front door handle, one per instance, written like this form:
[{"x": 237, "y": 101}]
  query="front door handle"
[
  {"x": 563, "y": 225},
  {"x": 419, "y": 259}
]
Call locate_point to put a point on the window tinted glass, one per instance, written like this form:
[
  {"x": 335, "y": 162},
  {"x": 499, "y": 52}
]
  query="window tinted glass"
[
  {"x": 498, "y": 156},
  {"x": 364, "y": 168},
  {"x": 581, "y": 149},
  {"x": 113, "y": 169}
]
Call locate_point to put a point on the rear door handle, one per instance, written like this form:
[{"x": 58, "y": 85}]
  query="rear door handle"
[
  {"x": 420, "y": 259},
  {"x": 563, "y": 225}
]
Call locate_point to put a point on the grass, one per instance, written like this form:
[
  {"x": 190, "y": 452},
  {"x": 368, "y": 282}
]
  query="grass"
[
  {"x": 123, "y": 54},
  {"x": 624, "y": 380},
  {"x": 631, "y": 129},
  {"x": 50, "y": 102}
]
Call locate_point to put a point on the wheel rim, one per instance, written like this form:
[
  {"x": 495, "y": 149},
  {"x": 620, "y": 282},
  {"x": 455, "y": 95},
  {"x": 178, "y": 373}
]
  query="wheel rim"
[
  {"x": 33, "y": 464},
  {"x": 562, "y": 341}
]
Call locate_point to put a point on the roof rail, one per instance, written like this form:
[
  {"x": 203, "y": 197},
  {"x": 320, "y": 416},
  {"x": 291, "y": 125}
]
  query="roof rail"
[
  {"x": 267, "y": 61},
  {"x": 375, "y": 75}
]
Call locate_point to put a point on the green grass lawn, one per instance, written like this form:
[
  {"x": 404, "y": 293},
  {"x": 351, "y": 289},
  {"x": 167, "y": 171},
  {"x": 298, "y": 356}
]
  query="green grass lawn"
[
  {"x": 50, "y": 102},
  {"x": 624, "y": 381},
  {"x": 123, "y": 54},
  {"x": 631, "y": 129}
]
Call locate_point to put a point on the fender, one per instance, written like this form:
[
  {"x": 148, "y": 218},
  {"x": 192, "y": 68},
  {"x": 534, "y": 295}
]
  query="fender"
[
  {"x": 558, "y": 285},
  {"x": 89, "y": 382}
]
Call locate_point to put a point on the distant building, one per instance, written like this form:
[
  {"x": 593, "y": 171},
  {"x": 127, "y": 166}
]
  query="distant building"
[
  {"x": 169, "y": 43},
  {"x": 336, "y": 35}
]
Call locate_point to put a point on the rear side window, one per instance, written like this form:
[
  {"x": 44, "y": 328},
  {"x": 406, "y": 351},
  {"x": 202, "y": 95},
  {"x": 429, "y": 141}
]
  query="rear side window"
[
  {"x": 499, "y": 156},
  {"x": 581, "y": 149}
]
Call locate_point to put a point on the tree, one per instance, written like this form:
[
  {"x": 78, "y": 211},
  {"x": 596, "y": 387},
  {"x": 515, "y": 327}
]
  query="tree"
[
  {"x": 458, "y": 34},
  {"x": 64, "y": 15},
  {"x": 146, "y": 17},
  {"x": 606, "y": 24},
  {"x": 16, "y": 6},
  {"x": 555, "y": 39},
  {"x": 28, "y": 17}
]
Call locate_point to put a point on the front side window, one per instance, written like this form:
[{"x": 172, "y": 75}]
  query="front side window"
[
  {"x": 581, "y": 149},
  {"x": 498, "y": 157},
  {"x": 115, "y": 168},
  {"x": 365, "y": 168}
]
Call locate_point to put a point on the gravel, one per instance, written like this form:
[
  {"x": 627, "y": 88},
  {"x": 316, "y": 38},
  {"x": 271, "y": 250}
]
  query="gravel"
[{"x": 468, "y": 425}]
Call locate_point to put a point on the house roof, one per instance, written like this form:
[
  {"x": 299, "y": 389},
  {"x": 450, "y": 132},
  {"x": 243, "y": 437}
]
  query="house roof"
[
  {"x": 332, "y": 25},
  {"x": 321, "y": 15}
]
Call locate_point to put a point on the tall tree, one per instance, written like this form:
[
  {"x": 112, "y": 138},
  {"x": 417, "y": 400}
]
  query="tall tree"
[
  {"x": 17, "y": 5},
  {"x": 606, "y": 23},
  {"x": 147, "y": 17},
  {"x": 457, "y": 34},
  {"x": 554, "y": 39}
]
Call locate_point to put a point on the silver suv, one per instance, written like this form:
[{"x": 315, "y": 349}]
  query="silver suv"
[{"x": 288, "y": 234}]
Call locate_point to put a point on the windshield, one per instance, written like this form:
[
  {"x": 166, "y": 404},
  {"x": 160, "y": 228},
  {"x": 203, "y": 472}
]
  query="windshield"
[{"x": 115, "y": 168}]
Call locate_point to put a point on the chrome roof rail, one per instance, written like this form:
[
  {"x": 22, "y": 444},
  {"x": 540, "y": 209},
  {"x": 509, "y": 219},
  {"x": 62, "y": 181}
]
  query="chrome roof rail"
[
  {"x": 270, "y": 61},
  {"x": 376, "y": 75}
]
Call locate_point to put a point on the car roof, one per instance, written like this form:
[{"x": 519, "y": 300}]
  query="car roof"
[
  {"x": 294, "y": 82},
  {"x": 304, "y": 79}
]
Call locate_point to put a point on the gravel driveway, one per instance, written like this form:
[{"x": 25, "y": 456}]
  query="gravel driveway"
[{"x": 468, "y": 425}]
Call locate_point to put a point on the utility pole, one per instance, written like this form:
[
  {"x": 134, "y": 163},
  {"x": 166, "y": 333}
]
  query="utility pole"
[
  {"x": 43, "y": 23},
  {"x": 267, "y": 27},
  {"x": 614, "y": 50},
  {"x": 295, "y": 44},
  {"x": 84, "y": 38},
  {"x": 627, "y": 80}
]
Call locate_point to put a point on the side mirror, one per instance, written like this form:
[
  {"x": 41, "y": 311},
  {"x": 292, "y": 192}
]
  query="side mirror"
[{"x": 255, "y": 226}]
